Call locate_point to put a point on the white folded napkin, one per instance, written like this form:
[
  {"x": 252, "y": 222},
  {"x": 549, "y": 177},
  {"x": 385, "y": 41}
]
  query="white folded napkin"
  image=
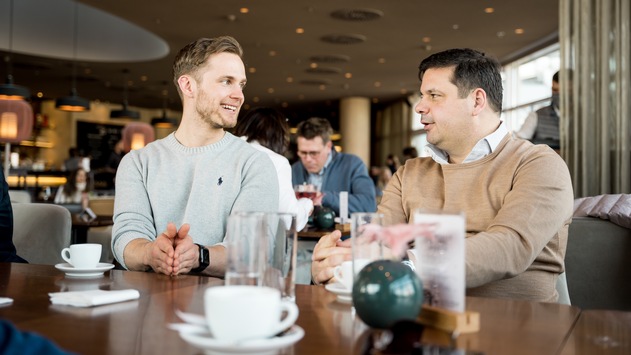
[
  {"x": 92, "y": 297},
  {"x": 5, "y": 300}
]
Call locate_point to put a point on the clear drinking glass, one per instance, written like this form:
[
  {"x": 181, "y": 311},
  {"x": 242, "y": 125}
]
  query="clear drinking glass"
[
  {"x": 245, "y": 241},
  {"x": 282, "y": 239}
]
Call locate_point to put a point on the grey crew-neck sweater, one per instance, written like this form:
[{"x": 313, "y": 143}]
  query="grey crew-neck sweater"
[{"x": 169, "y": 182}]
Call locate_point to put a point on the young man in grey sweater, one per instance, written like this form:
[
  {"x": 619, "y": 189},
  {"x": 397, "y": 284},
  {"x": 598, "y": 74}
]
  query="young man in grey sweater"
[{"x": 174, "y": 196}]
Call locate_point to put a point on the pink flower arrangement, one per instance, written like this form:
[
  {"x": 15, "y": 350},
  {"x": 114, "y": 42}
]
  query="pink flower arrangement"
[{"x": 397, "y": 237}]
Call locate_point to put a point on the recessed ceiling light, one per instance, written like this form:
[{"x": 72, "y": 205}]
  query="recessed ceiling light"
[
  {"x": 377, "y": 84},
  {"x": 322, "y": 87},
  {"x": 381, "y": 60},
  {"x": 144, "y": 78},
  {"x": 489, "y": 10},
  {"x": 244, "y": 10},
  {"x": 313, "y": 65},
  {"x": 300, "y": 30},
  {"x": 270, "y": 90},
  {"x": 426, "y": 39},
  {"x": 290, "y": 79},
  {"x": 348, "y": 75},
  {"x": 403, "y": 91},
  {"x": 256, "y": 99},
  {"x": 501, "y": 34},
  {"x": 252, "y": 70},
  {"x": 272, "y": 53},
  {"x": 519, "y": 31},
  {"x": 40, "y": 94},
  {"x": 455, "y": 26}
]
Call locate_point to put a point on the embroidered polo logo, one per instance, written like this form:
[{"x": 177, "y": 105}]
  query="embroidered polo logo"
[{"x": 220, "y": 181}]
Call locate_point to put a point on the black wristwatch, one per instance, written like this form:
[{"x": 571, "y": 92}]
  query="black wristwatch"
[{"x": 204, "y": 259}]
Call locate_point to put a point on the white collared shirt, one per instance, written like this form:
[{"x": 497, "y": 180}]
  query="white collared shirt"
[
  {"x": 316, "y": 178},
  {"x": 484, "y": 147}
]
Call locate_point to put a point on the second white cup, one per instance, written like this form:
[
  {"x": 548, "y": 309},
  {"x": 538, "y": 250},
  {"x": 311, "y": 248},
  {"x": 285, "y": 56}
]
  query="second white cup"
[
  {"x": 240, "y": 312},
  {"x": 82, "y": 256}
]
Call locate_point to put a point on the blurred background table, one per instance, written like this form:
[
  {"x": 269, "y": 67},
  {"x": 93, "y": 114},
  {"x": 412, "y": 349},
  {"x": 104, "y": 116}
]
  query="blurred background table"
[{"x": 80, "y": 226}]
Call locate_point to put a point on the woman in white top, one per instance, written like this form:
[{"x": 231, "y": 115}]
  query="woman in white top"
[
  {"x": 266, "y": 129},
  {"x": 75, "y": 190}
]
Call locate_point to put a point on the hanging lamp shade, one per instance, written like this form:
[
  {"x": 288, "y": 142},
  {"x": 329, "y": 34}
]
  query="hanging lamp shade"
[
  {"x": 164, "y": 121},
  {"x": 136, "y": 135},
  {"x": 16, "y": 120},
  {"x": 125, "y": 113},
  {"x": 72, "y": 103},
  {"x": 10, "y": 91}
]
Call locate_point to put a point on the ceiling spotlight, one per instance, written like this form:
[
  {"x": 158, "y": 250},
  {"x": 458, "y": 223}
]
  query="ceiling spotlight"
[
  {"x": 300, "y": 30},
  {"x": 519, "y": 31},
  {"x": 489, "y": 10}
]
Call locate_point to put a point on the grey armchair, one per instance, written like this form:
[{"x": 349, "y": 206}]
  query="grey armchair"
[
  {"x": 597, "y": 264},
  {"x": 41, "y": 231}
]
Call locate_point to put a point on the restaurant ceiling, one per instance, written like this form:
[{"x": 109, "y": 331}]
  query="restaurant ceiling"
[{"x": 368, "y": 48}]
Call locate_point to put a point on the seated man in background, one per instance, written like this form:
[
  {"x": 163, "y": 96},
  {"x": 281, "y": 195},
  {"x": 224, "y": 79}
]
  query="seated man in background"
[
  {"x": 517, "y": 216},
  {"x": 173, "y": 197},
  {"x": 331, "y": 171}
]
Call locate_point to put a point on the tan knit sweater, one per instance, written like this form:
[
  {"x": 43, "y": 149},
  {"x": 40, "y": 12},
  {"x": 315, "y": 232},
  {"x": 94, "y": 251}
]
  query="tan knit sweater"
[{"x": 518, "y": 205}]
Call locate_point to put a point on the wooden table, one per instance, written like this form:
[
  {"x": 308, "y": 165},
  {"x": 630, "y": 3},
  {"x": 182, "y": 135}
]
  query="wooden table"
[
  {"x": 139, "y": 327},
  {"x": 600, "y": 332},
  {"x": 80, "y": 226}
]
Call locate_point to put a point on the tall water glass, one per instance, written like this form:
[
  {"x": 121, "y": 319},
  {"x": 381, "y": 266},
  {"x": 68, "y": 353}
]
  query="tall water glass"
[
  {"x": 280, "y": 266},
  {"x": 365, "y": 247},
  {"x": 246, "y": 242}
]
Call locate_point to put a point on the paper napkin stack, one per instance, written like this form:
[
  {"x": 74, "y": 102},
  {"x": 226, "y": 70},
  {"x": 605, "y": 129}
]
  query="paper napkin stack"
[{"x": 92, "y": 297}]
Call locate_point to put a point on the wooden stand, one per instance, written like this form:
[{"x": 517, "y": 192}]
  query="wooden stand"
[
  {"x": 449, "y": 321},
  {"x": 344, "y": 228}
]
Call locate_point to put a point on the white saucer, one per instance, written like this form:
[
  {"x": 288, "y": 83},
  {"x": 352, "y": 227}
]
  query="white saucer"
[
  {"x": 203, "y": 340},
  {"x": 343, "y": 294},
  {"x": 89, "y": 272}
]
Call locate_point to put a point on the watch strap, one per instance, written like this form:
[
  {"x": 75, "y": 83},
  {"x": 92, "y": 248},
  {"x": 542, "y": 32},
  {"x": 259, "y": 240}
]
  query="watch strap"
[{"x": 204, "y": 259}]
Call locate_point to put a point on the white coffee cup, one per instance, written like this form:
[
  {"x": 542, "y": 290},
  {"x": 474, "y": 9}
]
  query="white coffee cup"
[
  {"x": 82, "y": 256},
  {"x": 241, "y": 312},
  {"x": 344, "y": 272}
]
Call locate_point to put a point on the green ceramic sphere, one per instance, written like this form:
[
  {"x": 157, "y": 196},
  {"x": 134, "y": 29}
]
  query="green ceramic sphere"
[
  {"x": 324, "y": 217},
  {"x": 386, "y": 292}
]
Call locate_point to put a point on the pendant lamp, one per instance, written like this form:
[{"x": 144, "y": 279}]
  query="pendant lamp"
[
  {"x": 74, "y": 103},
  {"x": 136, "y": 135},
  {"x": 8, "y": 90},
  {"x": 164, "y": 121},
  {"x": 125, "y": 112}
]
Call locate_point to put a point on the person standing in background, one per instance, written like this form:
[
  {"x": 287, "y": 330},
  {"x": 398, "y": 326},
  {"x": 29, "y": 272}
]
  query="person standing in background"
[
  {"x": 266, "y": 129},
  {"x": 542, "y": 126},
  {"x": 332, "y": 172}
]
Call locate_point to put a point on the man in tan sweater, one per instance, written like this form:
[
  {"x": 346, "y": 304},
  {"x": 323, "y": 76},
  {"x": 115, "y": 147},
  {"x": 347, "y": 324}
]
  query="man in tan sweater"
[{"x": 517, "y": 197}]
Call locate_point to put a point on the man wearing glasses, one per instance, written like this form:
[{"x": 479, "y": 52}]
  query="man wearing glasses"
[{"x": 330, "y": 171}]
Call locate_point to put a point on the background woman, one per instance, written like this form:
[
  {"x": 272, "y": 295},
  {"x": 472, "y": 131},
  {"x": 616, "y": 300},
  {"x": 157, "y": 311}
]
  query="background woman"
[
  {"x": 75, "y": 190},
  {"x": 266, "y": 129}
]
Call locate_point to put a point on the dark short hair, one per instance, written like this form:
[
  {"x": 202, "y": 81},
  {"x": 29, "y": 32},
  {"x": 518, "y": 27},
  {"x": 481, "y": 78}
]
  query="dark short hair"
[
  {"x": 555, "y": 77},
  {"x": 267, "y": 126},
  {"x": 315, "y": 127},
  {"x": 472, "y": 70},
  {"x": 194, "y": 55}
]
